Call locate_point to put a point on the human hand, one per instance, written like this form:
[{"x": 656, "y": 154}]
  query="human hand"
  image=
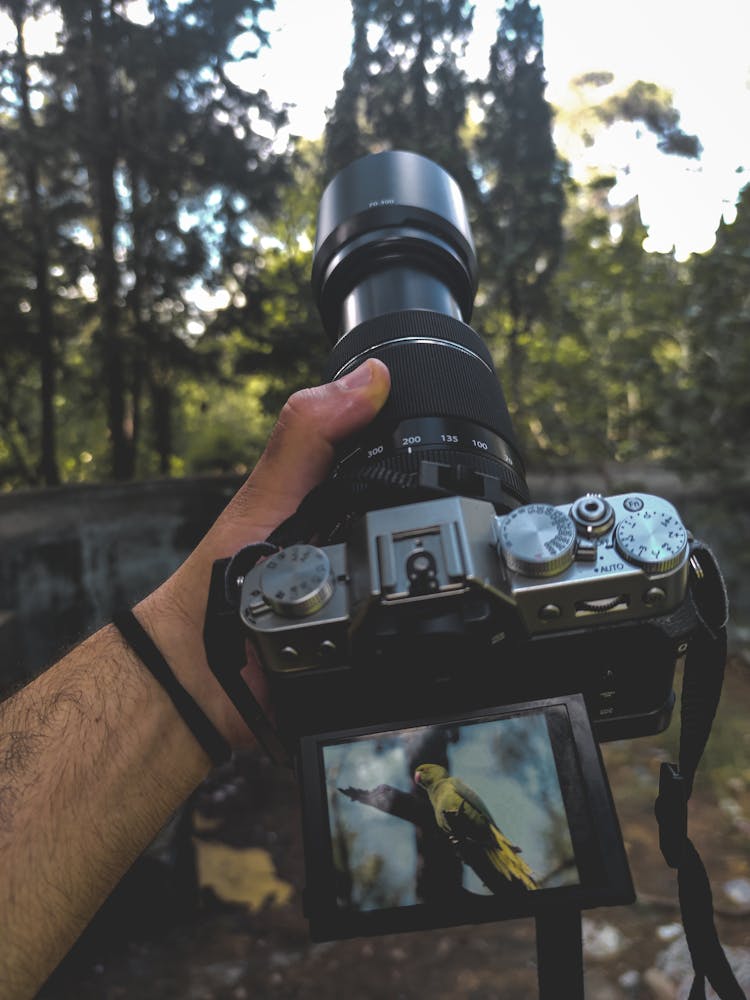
[{"x": 298, "y": 456}]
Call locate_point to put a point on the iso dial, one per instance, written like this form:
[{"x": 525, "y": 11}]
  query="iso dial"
[
  {"x": 652, "y": 538},
  {"x": 537, "y": 540}
]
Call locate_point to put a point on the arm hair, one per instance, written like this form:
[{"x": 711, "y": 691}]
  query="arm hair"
[{"x": 93, "y": 761}]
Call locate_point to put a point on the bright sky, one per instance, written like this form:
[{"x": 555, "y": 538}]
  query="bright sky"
[{"x": 699, "y": 52}]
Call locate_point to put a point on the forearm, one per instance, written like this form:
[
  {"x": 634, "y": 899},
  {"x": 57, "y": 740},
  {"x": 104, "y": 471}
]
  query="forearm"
[
  {"x": 94, "y": 757},
  {"x": 93, "y": 761}
]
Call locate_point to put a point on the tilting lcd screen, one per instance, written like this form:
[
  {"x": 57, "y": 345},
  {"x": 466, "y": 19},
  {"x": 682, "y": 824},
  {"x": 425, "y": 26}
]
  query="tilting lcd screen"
[{"x": 481, "y": 818}]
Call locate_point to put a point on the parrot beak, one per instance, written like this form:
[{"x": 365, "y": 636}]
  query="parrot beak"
[{"x": 417, "y": 777}]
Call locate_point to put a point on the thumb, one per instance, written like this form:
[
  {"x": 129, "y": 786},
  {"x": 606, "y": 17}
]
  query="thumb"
[{"x": 301, "y": 448}]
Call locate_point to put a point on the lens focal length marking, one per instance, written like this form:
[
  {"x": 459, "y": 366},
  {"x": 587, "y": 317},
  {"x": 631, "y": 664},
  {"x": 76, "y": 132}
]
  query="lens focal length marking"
[{"x": 437, "y": 432}]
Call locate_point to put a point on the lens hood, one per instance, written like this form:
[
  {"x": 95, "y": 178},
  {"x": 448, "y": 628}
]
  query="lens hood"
[{"x": 391, "y": 208}]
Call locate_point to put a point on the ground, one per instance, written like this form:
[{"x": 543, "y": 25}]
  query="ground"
[{"x": 167, "y": 934}]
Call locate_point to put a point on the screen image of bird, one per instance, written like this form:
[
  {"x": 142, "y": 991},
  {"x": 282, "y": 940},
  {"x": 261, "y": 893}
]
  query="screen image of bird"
[{"x": 441, "y": 813}]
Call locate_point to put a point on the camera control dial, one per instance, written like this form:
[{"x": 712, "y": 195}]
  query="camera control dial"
[
  {"x": 537, "y": 540},
  {"x": 652, "y": 538},
  {"x": 297, "y": 581}
]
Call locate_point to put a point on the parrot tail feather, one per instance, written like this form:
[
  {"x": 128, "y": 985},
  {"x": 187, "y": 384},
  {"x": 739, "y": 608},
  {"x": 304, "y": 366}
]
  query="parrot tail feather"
[{"x": 505, "y": 858}]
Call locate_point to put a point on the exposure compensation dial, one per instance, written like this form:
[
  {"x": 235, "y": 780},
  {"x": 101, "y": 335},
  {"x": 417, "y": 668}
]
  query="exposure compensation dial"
[{"x": 653, "y": 538}]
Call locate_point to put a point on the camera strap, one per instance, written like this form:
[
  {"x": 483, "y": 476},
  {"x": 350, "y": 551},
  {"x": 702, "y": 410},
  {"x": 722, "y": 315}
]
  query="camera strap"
[
  {"x": 705, "y": 662},
  {"x": 331, "y": 506}
]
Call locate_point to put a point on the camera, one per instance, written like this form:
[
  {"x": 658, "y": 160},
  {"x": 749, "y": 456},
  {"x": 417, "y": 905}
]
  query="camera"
[
  {"x": 445, "y": 605},
  {"x": 444, "y": 655},
  {"x": 435, "y": 586}
]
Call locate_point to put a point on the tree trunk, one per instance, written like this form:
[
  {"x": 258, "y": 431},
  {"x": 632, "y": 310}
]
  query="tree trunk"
[
  {"x": 419, "y": 77},
  {"x": 515, "y": 354},
  {"x": 12, "y": 432},
  {"x": 140, "y": 368},
  {"x": 161, "y": 403},
  {"x": 104, "y": 158},
  {"x": 48, "y": 468}
]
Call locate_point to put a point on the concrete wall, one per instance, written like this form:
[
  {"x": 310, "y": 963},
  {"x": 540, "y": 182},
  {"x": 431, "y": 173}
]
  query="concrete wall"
[{"x": 70, "y": 556}]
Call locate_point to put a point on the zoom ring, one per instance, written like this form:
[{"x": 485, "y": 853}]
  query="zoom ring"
[
  {"x": 439, "y": 367},
  {"x": 440, "y": 371}
]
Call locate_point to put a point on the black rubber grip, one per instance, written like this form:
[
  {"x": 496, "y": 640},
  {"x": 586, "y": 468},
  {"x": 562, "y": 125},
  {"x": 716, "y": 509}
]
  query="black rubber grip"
[{"x": 439, "y": 367}]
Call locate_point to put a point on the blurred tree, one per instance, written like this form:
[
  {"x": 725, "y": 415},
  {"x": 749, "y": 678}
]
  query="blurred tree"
[
  {"x": 40, "y": 197},
  {"x": 17, "y": 436},
  {"x": 710, "y": 411},
  {"x": 613, "y": 341},
  {"x": 193, "y": 199},
  {"x": 522, "y": 190},
  {"x": 84, "y": 72},
  {"x": 604, "y": 368},
  {"x": 178, "y": 160},
  {"x": 222, "y": 428},
  {"x": 595, "y": 105},
  {"x": 28, "y": 152},
  {"x": 271, "y": 300},
  {"x": 346, "y": 138},
  {"x": 652, "y": 106},
  {"x": 403, "y": 88}
]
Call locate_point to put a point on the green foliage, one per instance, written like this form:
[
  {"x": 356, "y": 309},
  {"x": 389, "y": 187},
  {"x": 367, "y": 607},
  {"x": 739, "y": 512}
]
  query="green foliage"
[
  {"x": 711, "y": 411},
  {"x": 610, "y": 346},
  {"x": 403, "y": 88},
  {"x": 652, "y": 106},
  {"x": 521, "y": 176},
  {"x": 223, "y": 429},
  {"x": 272, "y": 324},
  {"x": 42, "y": 196},
  {"x": 598, "y": 105},
  {"x": 162, "y": 170},
  {"x": 156, "y": 247},
  {"x": 522, "y": 193}
]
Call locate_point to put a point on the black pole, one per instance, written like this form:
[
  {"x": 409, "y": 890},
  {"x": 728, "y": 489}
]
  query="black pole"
[{"x": 559, "y": 951}]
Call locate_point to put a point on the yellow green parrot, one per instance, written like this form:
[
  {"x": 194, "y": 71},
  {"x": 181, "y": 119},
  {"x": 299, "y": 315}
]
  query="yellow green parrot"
[{"x": 461, "y": 814}]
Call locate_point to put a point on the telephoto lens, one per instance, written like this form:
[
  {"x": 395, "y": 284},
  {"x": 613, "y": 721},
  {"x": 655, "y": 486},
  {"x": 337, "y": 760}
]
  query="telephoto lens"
[{"x": 395, "y": 275}]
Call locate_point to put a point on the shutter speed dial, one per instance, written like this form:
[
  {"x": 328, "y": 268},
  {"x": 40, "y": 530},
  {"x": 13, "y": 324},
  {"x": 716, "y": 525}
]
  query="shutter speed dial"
[
  {"x": 298, "y": 581},
  {"x": 652, "y": 538},
  {"x": 537, "y": 540}
]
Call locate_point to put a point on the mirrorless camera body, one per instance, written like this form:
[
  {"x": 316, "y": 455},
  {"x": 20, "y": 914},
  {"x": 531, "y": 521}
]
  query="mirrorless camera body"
[
  {"x": 445, "y": 605},
  {"x": 434, "y": 585}
]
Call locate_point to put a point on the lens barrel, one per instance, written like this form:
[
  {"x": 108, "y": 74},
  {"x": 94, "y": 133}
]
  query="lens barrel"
[
  {"x": 395, "y": 275},
  {"x": 396, "y": 213}
]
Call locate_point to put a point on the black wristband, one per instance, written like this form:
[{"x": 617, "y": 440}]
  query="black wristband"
[{"x": 195, "y": 718}]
